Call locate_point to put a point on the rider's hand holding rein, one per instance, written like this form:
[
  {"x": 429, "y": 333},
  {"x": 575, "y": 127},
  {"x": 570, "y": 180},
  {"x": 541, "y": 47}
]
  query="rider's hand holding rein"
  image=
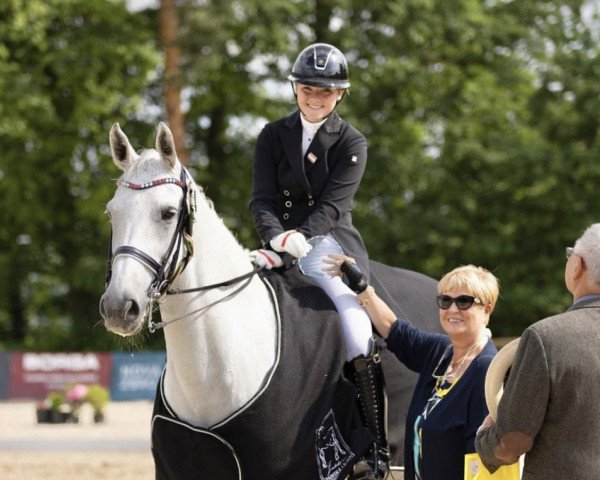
[
  {"x": 292, "y": 242},
  {"x": 266, "y": 259}
]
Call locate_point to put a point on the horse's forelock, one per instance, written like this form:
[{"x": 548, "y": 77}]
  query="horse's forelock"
[{"x": 150, "y": 163}]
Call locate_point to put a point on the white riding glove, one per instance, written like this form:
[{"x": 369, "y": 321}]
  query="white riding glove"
[
  {"x": 265, "y": 259},
  {"x": 292, "y": 242}
]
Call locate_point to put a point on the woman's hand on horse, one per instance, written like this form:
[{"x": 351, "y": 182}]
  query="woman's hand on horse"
[
  {"x": 265, "y": 259},
  {"x": 292, "y": 242},
  {"x": 343, "y": 265},
  {"x": 334, "y": 261}
]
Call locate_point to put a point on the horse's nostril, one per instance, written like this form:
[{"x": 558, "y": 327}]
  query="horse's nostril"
[
  {"x": 133, "y": 311},
  {"x": 102, "y": 309}
]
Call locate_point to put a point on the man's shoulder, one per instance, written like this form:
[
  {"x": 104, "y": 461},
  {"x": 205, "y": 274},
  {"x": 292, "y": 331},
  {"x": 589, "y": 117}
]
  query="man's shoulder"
[
  {"x": 549, "y": 324},
  {"x": 564, "y": 321}
]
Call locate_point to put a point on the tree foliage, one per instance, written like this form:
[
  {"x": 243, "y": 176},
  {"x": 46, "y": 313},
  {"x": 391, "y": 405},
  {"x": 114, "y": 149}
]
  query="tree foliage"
[
  {"x": 67, "y": 70},
  {"x": 481, "y": 118}
]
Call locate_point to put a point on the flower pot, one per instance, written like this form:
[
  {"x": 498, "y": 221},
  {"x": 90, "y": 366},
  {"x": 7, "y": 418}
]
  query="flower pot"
[
  {"x": 70, "y": 417},
  {"x": 56, "y": 417},
  {"x": 43, "y": 415},
  {"x": 98, "y": 417}
]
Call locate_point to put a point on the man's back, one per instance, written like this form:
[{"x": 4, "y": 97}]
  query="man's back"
[{"x": 563, "y": 414}]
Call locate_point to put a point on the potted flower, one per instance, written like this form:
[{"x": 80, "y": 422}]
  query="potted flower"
[
  {"x": 55, "y": 400},
  {"x": 42, "y": 411},
  {"x": 76, "y": 396},
  {"x": 97, "y": 396}
]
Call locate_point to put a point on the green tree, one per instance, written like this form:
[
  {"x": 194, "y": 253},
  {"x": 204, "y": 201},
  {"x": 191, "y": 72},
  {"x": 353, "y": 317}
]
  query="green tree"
[
  {"x": 481, "y": 118},
  {"x": 462, "y": 102},
  {"x": 68, "y": 69}
]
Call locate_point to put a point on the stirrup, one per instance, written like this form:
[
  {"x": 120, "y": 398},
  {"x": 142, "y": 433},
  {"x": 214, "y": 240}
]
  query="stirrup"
[{"x": 373, "y": 466}]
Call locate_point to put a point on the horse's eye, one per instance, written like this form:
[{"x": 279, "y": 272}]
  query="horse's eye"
[{"x": 168, "y": 214}]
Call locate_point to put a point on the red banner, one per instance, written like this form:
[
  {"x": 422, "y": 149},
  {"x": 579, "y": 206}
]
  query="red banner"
[{"x": 33, "y": 375}]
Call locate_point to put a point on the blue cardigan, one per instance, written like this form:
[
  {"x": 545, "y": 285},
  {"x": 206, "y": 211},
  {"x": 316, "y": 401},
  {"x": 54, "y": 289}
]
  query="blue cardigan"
[{"x": 448, "y": 433}]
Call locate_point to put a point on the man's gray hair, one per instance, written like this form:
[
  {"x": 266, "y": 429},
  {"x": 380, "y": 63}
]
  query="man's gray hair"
[{"x": 588, "y": 247}]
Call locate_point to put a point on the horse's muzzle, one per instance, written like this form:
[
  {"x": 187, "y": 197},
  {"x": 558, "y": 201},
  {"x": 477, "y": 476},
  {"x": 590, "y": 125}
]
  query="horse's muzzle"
[{"x": 122, "y": 316}]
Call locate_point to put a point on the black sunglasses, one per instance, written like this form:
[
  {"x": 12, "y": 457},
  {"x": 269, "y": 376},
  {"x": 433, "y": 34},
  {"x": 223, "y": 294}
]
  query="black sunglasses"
[{"x": 463, "y": 302}]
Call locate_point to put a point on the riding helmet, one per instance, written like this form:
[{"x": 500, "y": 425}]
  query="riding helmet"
[{"x": 321, "y": 65}]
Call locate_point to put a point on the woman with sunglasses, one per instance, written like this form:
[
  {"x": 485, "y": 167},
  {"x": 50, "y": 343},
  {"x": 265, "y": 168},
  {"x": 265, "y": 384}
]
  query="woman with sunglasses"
[{"x": 448, "y": 404}]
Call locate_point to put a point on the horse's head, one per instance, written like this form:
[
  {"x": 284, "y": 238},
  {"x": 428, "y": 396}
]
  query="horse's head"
[{"x": 151, "y": 217}]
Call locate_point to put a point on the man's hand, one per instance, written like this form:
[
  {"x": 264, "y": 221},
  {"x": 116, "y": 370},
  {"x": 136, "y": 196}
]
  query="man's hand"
[
  {"x": 488, "y": 422},
  {"x": 265, "y": 259},
  {"x": 292, "y": 242}
]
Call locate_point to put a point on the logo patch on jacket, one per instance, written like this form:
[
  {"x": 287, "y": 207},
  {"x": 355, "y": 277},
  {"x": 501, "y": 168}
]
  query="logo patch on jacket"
[{"x": 333, "y": 454}]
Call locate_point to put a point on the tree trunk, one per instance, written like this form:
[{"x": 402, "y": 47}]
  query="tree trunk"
[
  {"x": 15, "y": 300},
  {"x": 323, "y": 10},
  {"x": 169, "y": 27}
]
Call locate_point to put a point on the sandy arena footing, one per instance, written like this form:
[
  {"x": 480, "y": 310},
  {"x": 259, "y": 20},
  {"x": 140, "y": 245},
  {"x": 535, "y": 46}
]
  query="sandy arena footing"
[{"x": 117, "y": 448}]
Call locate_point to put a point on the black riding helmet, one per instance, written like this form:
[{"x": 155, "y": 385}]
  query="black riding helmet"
[{"x": 321, "y": 65}]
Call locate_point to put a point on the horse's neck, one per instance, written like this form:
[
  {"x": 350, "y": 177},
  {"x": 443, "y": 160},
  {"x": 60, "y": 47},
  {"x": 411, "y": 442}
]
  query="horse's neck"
[{"x": 217, "y": 359}]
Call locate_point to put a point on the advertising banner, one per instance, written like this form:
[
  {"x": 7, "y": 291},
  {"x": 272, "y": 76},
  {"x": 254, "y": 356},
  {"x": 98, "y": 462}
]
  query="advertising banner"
[
  {"x": 135, "y": 375},
  {"x": 33, "y": 375}
]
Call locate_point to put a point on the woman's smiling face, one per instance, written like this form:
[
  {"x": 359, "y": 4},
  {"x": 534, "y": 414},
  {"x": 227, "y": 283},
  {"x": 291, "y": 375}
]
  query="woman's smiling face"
[
  {"x": 316, "y": 103},
  {"x": 464, "y": 325}
]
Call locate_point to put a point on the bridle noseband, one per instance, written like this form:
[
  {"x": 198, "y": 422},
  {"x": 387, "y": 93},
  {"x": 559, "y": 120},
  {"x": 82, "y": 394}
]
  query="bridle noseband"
[{"x": 170, "y": 266}]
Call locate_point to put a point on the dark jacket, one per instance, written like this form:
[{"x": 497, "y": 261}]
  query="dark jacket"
[
  {"x": 289, "y": 192},
  {"x": 449, "y": 431}
]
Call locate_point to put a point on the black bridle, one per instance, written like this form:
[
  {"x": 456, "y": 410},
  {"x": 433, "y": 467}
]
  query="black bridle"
[{"x": 170, "y": 266}]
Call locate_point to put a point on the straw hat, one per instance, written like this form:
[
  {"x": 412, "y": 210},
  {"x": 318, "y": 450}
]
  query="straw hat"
[{"x": 496, "y": 374}]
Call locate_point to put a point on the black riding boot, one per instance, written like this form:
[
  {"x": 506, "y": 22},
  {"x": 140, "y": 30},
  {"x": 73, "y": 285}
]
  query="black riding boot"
[{"x": 372, "y": 399}]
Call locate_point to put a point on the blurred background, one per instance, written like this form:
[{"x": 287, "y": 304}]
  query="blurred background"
[{"x": 481, "y": 116}]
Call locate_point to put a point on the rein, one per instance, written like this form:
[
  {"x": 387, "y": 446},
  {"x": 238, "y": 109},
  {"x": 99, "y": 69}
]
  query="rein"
[
  {"x": 159, "y": 287},
  {"x": 226, "y": 283},
  {"x": 153, "y": 326}
]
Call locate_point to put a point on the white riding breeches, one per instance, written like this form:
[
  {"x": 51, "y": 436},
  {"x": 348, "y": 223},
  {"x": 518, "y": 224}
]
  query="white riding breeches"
[{"x": 356, "y": 325}]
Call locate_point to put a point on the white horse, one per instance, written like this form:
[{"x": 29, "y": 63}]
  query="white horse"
[
  {"x": 243, "y": 326},
  {"x": 222, "y": 324}
]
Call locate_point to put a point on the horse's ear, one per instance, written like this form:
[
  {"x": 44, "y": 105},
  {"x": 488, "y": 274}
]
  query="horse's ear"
[
  {"x": 122, "y": 151},
  {"x": 166, "y": 145}
]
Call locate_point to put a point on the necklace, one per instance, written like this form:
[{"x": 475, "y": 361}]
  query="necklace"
[{"x": 455, "y": 365}]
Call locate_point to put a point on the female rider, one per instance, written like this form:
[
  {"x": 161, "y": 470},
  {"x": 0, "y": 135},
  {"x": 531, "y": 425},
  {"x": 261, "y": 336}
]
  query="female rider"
[{"x": 307, "y": 169}]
